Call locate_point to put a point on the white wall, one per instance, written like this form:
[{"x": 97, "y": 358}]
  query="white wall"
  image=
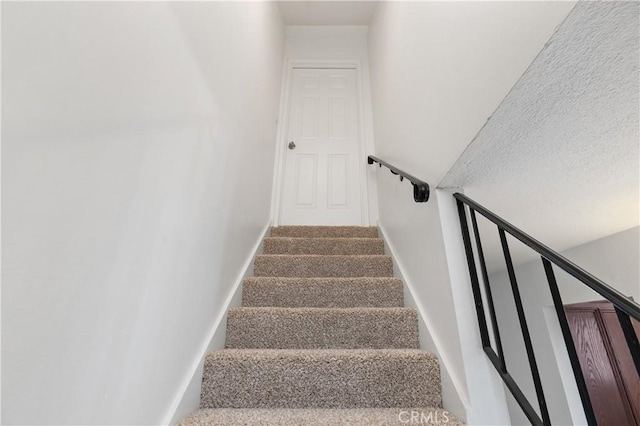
[
  {"x": 438, "y": 71},
  {"x": 137, "y": 148},
  {"x": 424, "y": 271},
  {"x": 614, "y": 259},
  {"x": 417, "y": 290},
  {"x": 326, "y": 42}
]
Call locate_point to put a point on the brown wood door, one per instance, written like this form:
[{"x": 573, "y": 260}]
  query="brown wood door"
[{"x": 607, "y": 366}]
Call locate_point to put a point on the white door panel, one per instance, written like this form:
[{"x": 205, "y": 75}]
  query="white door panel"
[{"x": 321, "y": 176}]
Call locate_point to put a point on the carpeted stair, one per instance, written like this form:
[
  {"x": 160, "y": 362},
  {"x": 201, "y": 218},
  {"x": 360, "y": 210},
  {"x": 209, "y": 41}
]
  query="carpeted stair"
[
  {"x": 317, "y": 265},
  {"x": 322, "y": 328},
  {"x": 333, "y": 246},
  {"x": 321, "y": 338},
  {"x": 331, "y": 292},
  {"x": 321, "y": 417}
]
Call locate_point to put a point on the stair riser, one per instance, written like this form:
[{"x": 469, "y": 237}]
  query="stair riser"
[
  {"x": 328, "y": 246},
  {"x": 323, "y": 292},
  {"x": 324, "y": 232},
  {"x": 326, "y": 382},
  {"x": 323, "y": 266},
  {"x": 282, "y": 328}
]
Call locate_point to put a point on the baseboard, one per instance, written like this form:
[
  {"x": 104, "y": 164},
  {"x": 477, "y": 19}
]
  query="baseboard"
[
  {"x": 457, "y": 402},
  {"x": 214, "y": 338}
]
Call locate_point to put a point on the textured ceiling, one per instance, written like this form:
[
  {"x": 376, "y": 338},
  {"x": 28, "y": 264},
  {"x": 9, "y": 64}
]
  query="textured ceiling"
[
  {"x": 559, "y": 157},
  {"x": 326, "y": 12}
]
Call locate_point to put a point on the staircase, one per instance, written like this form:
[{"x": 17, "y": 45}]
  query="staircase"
[{"x": 322, "y": 337}]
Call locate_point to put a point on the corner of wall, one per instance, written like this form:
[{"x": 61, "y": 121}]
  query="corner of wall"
[{"x": 487, "y": 399}]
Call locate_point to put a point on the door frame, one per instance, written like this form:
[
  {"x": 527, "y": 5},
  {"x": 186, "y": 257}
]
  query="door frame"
[{"x": 283, "y": 126}]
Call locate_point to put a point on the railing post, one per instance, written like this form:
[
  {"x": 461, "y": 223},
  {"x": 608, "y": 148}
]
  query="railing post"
[
  {"x": 487, "y": 289},
  {"x": 525, "y": 330},
  {"x": 569, "y": 343},
  {"x": 630, "y": 336},
  {"x": 473, "y": 273}
]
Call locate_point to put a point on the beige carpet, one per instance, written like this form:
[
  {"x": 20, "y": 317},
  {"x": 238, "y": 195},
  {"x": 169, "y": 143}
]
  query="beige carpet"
[
  {"x": 323, "y": 417},
  {"x": 327, "y": 378},
  {"x": 321, "y": 338},
  {"x": 315, "y": 265},
  {"x": 337, "y": 246},
  {"x": 323, "y": 292},
  {"x": 325, "y": 231},
  {"x": 322, "y": 328}
]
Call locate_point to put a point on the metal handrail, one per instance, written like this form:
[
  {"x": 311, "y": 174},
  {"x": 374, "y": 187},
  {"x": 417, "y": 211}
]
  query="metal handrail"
[
  {"x": 420, "y": 187},
  {"x": 620, "y": 300},
  {"x": 625, "y": 307}
]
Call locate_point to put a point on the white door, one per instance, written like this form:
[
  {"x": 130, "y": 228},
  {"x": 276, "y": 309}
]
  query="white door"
[{"x": 321, "y": 171}]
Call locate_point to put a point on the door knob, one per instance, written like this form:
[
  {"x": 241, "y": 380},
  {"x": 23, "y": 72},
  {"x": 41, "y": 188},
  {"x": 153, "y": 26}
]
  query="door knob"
[{"x": 292, "y": 145}]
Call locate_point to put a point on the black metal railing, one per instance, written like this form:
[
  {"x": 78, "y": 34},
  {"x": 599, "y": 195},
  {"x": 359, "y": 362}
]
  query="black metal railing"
[
  {"x": 624, "y": 307},
  {"x": 420, "y": 187}
]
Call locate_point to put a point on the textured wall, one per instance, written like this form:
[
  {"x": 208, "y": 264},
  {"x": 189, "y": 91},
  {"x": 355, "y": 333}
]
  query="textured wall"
[{"x": 559, "y": 157}]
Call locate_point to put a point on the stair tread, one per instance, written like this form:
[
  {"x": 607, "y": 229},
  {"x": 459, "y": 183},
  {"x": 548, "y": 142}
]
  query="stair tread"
[
  {"x": 323, "y": 246},
  {"x": 325, "y": 231},
  {"x": 322, "y": 280},
  {"x": 307, "y": 310},
  {"x": 307, "y": 328},
  {"x": 341, "y": 239},
  {"x": 320, "y": 354},
  {"x": 324, "y": 256},
  {"x": 318, "y": 416}
]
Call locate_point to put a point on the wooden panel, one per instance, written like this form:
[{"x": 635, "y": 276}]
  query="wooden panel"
[
  {"x": 306, "y": 177},
  {"x": 338, "y": 193},
  {"x": 607, "y": 401},
  {"x": 621, "y": 352}
]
